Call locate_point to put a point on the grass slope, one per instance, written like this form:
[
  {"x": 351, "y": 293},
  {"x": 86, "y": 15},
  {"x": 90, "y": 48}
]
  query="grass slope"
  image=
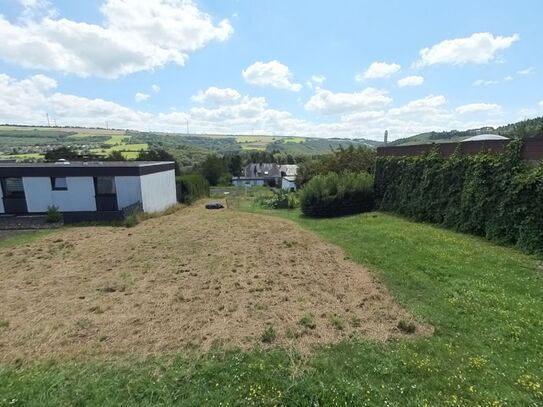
[{"x": 484, "y": 301}]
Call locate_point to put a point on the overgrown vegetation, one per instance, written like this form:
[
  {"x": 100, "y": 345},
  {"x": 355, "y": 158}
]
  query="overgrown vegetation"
[
  {"x": 351, "y": 159},
  {"x": 498, "y": 197},
  {"x": 193, "y": 187},
  {"x": 280, "y": 199},
  {"x": 337, "y": 194}
]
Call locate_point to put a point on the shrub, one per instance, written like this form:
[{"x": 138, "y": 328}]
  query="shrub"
[
  {"x": 192, "y": 188},
  {"x": 337, "y": 194},
  {"x": 53, "y": 215},
  {"x": 280, "y": 200},
  {"x": 497, "y": 196}
]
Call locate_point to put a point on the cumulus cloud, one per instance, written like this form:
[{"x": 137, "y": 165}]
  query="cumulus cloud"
[
  {"x": 134, "y": 36},
  {"x": 327, "y": 102},
  {"x": 378, "y": 70},
  {"x": 273, "y": 74},
  {"x": 141, "y": 97},
  {"x": 28, "y": 100},
  {"x": 410, "y": 81},
  {"x": 479, "y": 108},
  {"x": 155, "y": 88},
  {"x": 479, "y": 48},
  {"x": 315, "y": 81},
  {"x": 216, "y": 95}
]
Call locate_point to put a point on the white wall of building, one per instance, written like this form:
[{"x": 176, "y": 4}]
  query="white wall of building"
[
  {"x": 158, "y": 191},
  {"x": 287, "y": 184},
  {"x": 2, "y": 210},
  {"x": 128, "y": 191},
  {"x": 78, "y": 197}
]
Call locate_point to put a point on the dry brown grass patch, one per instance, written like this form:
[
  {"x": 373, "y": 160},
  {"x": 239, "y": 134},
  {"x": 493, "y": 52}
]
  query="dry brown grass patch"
[{"x": 192, "y": 278}]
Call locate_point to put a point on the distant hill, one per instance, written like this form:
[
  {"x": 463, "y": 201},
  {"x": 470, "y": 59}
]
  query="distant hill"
[
  {"x": 32, "y": 142},
  {"x": 522, "y": 129}
]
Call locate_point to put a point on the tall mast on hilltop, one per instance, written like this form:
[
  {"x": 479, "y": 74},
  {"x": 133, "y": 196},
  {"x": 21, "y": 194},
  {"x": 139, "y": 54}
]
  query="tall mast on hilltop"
[
  {"x": 386, "y": 137},
  {"x": 48, "y": 122}
]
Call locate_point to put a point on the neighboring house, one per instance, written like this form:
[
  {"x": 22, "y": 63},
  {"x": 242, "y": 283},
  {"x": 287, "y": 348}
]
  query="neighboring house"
[
  {"x": 86, "y": 190},
  {"x": 268, "y": 174}
]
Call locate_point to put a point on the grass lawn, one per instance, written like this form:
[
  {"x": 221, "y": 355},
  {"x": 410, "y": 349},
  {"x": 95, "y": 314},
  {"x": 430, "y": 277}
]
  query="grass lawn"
[{"x": 484, "y": 301}]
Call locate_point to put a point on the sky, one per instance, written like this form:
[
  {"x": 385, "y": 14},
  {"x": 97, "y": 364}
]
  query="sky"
[{"x": 295, "y": 68}]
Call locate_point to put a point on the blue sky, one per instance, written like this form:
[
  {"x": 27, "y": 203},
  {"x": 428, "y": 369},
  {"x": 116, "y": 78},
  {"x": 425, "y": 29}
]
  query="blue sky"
[{"x": 310, "y": 68}]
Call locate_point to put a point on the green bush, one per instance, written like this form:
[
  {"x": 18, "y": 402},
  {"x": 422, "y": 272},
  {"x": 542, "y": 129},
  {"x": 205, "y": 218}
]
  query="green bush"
[
  {"x": 53, "y": 215},
  {"x": 337, "y": 194},
  {"x": 498, "y": 197},
  {"x": 192, "y": 188},
  {"x": 280, "y": 200}
]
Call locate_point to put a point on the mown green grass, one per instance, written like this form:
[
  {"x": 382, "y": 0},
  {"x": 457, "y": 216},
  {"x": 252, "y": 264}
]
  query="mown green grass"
[{"x": 484, "y": 301}]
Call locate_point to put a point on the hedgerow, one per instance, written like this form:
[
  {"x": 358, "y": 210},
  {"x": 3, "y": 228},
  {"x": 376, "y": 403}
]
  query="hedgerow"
[
  {"x": 337, "y": 194},
  {"x": 192, "y": 187},
  {"x": 499, "y": 197}
]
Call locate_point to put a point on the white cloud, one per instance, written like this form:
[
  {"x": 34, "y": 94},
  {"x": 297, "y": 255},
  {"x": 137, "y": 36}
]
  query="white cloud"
[
  {"x": 327, "y": 102},
  {"x": 479, "y": 108},
  {"x": 541, "y": 104},
  {"x": 27, "y": 101},
  {"x": 273, "y": 74},
  {"x": 411, "y": 81},
  {"x": 218, "y": 96},
  {"x": 134, "y": 36},
  {"x": 508, "y": 78},
  {"x": 155, "y": 88},
  {"x": 315, "y": 81},
  {"x": 378, "y": 70},
  {"x": 526, "y": 71},
  {"x": 479, "y": 48},
  {"x": 481, "y": 82},
  {"x": 141, "y": 97}
]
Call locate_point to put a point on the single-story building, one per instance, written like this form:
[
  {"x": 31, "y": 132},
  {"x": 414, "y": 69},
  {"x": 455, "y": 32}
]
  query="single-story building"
[
  {"x": 267, "y": 174},
  {"x": 87, "y": 190}
]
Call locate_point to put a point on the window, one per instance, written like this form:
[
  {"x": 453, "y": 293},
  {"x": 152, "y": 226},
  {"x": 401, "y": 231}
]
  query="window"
[
  {"x": 105, "y": 185},
  {"x": 13, "y": 187},
  {"x": 59, "y": 184}
]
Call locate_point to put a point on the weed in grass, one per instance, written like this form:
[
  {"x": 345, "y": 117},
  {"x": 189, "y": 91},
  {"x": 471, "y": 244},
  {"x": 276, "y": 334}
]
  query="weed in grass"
[
  {"x": 355, "y": 321},
  {"x": 407, "y": 327},
  {"x": 4, "y": 323},
  {"x": 292, "y": 333},
  {"x": 269, "y": 334},
  {"x": 308, "y": 321},
  {"x": 337, "y": 322}
]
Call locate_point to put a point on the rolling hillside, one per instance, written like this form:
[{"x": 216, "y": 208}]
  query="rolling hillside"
[
  {"x": 31, "y": 143},
  {"x": 523, "y": 129}
]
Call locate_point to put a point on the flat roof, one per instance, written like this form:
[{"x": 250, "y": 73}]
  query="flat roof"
[{"x": 84, "y": 168}]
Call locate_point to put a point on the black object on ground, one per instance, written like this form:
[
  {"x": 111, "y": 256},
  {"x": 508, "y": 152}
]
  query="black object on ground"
[{"x": 214, "y": 205}]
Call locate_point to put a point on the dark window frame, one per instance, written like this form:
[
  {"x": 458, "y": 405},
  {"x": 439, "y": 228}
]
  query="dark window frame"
[
  {"x": 6, "y": 193},
  {"x": 54, "y": 186},
  {"x": 114, "y": 193}
]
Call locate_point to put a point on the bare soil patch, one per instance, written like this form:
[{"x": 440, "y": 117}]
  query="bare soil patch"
[{"x": 195, "y": 278}]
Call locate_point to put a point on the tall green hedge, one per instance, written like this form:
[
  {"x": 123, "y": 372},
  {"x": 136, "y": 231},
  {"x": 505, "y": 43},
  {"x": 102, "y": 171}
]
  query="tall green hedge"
[
  {"x": 337, "y": 194},
  {"x": 192, "y": 188},
  {"x": 499, "y": 197}
]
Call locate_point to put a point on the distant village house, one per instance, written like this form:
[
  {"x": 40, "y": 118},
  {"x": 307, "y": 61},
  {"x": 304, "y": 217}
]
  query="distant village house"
[{"x": 268, "y": 174}]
